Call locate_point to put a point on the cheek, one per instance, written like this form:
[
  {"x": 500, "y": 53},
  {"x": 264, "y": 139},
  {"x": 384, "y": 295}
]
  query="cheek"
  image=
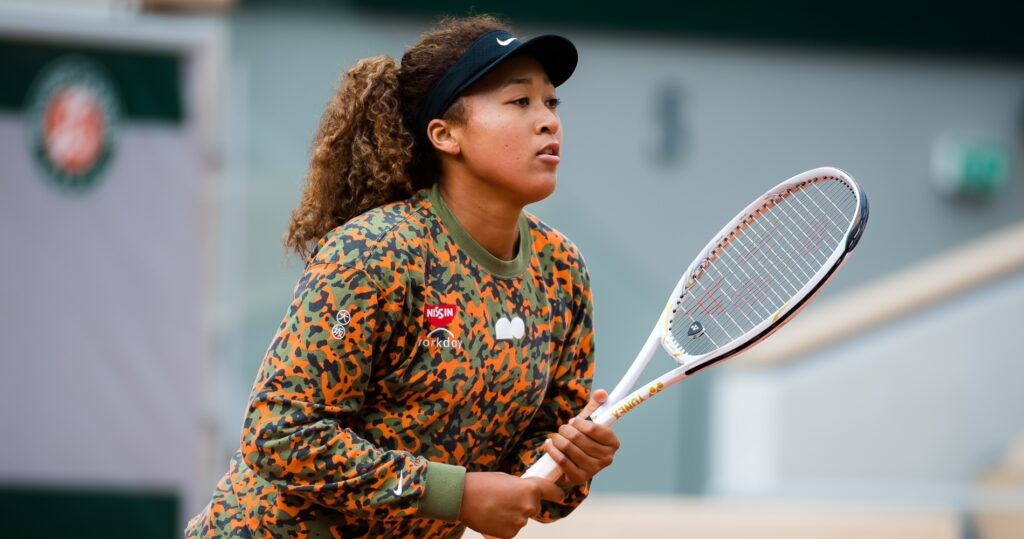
[
  {"x": 498, "y": 142},
  {"x": 501, "y": 143}
]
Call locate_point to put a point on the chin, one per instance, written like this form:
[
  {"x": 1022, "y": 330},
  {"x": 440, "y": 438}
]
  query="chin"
[{"x": 539, "y": 190}]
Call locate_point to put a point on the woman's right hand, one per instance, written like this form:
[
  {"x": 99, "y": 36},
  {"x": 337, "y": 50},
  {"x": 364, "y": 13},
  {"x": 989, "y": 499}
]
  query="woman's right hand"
[{"x": 499, "y": 505}]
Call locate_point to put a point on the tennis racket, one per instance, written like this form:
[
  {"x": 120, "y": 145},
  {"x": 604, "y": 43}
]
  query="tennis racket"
[{"x": 750, "y": 279}]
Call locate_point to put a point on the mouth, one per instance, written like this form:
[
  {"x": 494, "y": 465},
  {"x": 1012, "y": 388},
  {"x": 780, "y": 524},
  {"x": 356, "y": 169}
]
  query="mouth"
[{"x": 550, "y": 152}]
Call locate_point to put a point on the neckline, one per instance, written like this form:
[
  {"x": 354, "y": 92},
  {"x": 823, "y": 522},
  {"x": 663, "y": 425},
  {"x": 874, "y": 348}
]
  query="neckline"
[{"x": 501, "y": 268}]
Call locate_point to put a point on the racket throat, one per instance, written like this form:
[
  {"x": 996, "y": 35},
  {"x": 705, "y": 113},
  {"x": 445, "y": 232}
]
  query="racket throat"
[
  {"x": 627, "y": 382},
  {"x": 609, "y": 412}
]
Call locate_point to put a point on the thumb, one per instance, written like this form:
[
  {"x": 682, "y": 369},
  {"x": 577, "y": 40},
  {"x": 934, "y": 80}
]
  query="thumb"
[
  {"x": 597, "y": 398},
  {"x": 548, "y": 489}
]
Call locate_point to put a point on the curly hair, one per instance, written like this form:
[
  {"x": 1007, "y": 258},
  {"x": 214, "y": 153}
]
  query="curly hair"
[{"x": 364, "y": 152}]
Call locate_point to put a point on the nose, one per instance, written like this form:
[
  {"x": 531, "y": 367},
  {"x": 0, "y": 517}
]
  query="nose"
[{"x": 549, "y": 122}]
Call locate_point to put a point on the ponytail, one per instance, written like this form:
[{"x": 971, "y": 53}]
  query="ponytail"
[
  {"x": 364, "y": 154},
  {"x": 360, "y": 154}
]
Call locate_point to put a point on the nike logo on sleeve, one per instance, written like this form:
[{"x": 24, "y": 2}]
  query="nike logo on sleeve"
[{"x": 398, "y": 490}]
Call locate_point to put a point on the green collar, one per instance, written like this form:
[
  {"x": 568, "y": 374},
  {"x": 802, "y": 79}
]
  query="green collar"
[{"x": 500, "y": 268}]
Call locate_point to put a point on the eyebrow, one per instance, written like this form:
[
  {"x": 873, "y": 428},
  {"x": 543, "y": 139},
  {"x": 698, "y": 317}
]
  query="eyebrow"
[{"x": 521, "y": 80}]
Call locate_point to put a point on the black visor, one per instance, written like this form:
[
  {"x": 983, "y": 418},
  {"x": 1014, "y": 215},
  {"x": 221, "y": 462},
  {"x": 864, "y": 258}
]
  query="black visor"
[{"x": 555, "y": 53}]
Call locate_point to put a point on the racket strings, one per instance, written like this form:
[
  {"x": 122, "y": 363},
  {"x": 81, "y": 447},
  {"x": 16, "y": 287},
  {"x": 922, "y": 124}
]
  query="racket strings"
[
  {"x": 783, "y": 247},
  {"x": 752, "y": 287},
  {"x": 762, "y": 264},
  {"x": 765, "y": 238},
  {"x": 808, "y": 266},
  {"x": 751, "y": 299},
  {"x": 761, "y": 232}
]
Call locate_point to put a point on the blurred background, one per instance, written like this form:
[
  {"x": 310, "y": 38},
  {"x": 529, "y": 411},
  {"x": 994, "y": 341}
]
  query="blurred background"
[{"x": 151, "y": 152}]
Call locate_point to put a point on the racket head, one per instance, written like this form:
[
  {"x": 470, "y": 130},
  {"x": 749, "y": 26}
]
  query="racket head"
[{"x": 763, "y": 267}]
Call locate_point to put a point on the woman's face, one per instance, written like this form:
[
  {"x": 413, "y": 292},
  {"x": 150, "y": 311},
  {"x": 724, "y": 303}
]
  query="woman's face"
[{"x": 511, "y": 139}]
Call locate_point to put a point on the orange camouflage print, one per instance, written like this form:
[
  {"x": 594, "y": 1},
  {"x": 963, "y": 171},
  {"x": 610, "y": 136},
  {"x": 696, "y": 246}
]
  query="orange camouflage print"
[{"x": 407, "y": 347}]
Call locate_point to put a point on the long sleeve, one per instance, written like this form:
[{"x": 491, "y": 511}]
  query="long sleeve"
[
  {"x": 313, "y": 383},
  {"x": 408, "y": 356}
]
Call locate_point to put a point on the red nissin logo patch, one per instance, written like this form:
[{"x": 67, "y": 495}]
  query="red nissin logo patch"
[{"x": 440, "y": 315}]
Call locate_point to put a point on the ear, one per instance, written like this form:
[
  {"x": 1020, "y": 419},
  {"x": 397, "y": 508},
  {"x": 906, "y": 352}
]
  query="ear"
[{"x": 442, "y": 135}]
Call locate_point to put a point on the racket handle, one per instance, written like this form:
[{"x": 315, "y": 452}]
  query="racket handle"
[{"x": 546, "y": 467}]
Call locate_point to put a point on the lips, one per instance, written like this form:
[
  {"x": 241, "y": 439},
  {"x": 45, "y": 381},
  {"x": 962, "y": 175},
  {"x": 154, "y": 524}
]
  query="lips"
[{"x": 550, "y": 152}]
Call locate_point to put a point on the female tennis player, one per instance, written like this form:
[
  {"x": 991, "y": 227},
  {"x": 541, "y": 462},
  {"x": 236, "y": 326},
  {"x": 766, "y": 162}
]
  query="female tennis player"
[{"x": 439, "y": 335}]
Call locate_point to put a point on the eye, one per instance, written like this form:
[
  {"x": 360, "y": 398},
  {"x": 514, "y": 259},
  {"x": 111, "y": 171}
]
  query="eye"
[
  {"x": 522, "y": 101},
  {"x": 553, "y": 103}
]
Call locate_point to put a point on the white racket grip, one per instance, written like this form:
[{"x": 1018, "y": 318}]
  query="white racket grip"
[{"x": 546, "y": 467}]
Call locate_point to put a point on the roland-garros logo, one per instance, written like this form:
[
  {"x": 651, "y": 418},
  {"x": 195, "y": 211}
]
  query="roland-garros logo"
[{"x": 73, "y": 116}]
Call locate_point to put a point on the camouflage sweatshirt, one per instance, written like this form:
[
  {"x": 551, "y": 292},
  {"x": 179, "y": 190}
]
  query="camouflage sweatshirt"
[{"x": 409, "y": 356}]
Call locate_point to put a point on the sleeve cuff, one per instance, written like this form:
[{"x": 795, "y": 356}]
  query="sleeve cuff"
[{"x": 443, "y": 496}]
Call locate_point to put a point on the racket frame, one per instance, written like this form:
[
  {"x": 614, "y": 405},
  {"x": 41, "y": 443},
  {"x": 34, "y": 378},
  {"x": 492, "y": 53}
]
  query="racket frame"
[{"x": 621, "y": 400}]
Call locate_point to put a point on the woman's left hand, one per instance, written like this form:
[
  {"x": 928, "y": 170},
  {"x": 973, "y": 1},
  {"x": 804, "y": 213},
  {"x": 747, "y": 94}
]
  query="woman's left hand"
[{"x": 581, "y": 447}]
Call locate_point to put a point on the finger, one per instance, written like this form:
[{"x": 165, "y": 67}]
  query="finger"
[
  {"x": 572, "y": 473},
  {"x": 589, "y": 456},
  {"x": 597, "y": 398},
  {"x": 582, "y": 470},
  {"x": 579, "y": 468},
  {"x": 584, "y": 445},
  {"x": 548, "y": 489},
  {"x": 601, "y": 434}
]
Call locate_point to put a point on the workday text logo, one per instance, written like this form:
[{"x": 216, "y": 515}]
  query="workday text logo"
[{"x": 441, "y": 338}]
